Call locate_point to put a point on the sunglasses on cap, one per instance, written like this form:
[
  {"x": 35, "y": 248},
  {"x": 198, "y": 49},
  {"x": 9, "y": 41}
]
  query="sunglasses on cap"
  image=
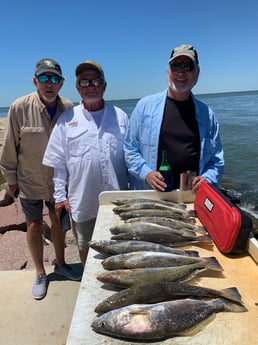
[
  {"x": 55, "y": 79},
  {"x": 91, "y": 82},
  {"x": 182, "y": 66}
]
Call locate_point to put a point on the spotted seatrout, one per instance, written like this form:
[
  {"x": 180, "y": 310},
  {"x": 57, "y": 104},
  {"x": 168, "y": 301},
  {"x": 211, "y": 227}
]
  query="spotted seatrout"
[
  {"x": 161, "y": 320},
  {"x": 132, "y": 277},
  {"x": 144, "y": 259},
  {"x": 158, "y": 292},
  {"x": 112, "y": 247}
]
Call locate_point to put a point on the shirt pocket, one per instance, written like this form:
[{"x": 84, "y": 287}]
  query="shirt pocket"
[
  {"x": 148, "y": 131},
  {"x": 79, "y": 144},
  {"x": 33, "y": 140}
]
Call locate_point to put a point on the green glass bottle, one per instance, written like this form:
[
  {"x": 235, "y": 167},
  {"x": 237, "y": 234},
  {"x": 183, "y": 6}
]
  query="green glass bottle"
[{"x": 166, "y": 171}]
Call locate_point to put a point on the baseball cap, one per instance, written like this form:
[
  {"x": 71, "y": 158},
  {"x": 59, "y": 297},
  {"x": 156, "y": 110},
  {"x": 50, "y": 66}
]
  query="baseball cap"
[
  {"x": 89, "y": 64},
  {"x": 48, "y": 65},
  {"x": 184, "y": 50}
]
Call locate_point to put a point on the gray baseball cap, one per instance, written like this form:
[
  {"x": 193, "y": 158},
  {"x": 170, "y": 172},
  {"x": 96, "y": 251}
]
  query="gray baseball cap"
[
  {"x": 89, "y": 64},
  {"x": 184, "y": 50},
  {"x": 48, "y": 65}
]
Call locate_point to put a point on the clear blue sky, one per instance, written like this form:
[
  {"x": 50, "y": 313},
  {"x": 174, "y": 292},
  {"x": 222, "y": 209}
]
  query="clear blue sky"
[{"x": 132, "y": 39}]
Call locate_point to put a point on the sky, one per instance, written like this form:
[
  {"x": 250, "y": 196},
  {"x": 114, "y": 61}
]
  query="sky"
[{"x": 132, "y": 40}]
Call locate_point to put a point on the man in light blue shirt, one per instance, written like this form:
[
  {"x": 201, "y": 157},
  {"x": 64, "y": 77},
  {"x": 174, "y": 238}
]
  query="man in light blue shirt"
[{"x": 176, "y": 122}]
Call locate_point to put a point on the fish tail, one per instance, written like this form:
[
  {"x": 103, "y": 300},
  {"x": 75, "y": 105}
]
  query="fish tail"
[
  {"x": 232, "y": 294},
  {"x": 204, "y": 238},
  {"x": 233, "y": 307},
  {"x": 192, "y": 253},
  {"x": 200, "y": 229},
  {"x": 213, "y": 264}
]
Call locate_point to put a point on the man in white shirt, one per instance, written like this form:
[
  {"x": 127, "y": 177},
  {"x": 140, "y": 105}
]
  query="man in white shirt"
[{"x": 86, "y": 151}]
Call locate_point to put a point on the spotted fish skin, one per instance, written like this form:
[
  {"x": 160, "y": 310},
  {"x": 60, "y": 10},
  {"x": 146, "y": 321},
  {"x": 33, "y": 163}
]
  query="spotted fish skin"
[
  {"x": 158, "y": 292},
  {"x": 112, "y": 247},
  {"x": 161, "y": 320},
  {"x": 144, "y": 259},
  {"x": 131, "y": 277}
]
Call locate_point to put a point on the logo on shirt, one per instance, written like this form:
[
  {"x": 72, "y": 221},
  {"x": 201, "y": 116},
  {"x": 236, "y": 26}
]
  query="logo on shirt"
[{"x": 72, "y": 124}]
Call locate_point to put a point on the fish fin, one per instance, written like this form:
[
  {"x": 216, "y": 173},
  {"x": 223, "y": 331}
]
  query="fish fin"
[
  {"x": 192, "y": 253},
  {"x": 204, "y": 238},
  {"x": 201, "y": 230},
  {"x": 233, "y": 307},
  {"x": 232, "y": 294},
  {"x": 213, "y": 264}
]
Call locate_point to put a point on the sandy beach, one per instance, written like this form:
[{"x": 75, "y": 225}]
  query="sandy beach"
[{"x": 23, "y": 320}]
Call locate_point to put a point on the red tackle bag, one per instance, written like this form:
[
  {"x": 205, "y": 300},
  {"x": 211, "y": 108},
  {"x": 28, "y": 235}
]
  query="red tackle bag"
[{"x": 228, "y": 225}]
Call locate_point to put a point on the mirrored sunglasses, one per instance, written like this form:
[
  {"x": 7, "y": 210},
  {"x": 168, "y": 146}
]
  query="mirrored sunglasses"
[
  {"x": 91, "y": 82},
  {"x": 182, "y": 66},
  {"x": 55, "y": 79}
]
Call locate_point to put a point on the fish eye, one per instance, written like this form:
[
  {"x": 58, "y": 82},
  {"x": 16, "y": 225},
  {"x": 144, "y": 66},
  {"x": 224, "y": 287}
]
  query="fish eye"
[{"x": 103, "y": 324}]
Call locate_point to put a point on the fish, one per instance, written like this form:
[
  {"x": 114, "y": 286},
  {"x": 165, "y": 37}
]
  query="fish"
[
  {"x": 147, "y": 204},
  {"x": 131, "y": 201},
  {"x": 162, "y": 320},
  {"x": 150, "y": 228},
  {"x": 158, "y": 292},
  {"x": 132, "y": 277},
  {"x": 169, "y": 222},
  {"x": 112, "y": 247},
  {"x": 144, "y": 259},
  {"x": 184, "y": 215},
  {"x": 170, "y": 239}
]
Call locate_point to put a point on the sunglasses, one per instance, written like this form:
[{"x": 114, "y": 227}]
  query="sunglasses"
[
  {"x": 55, "y": 79},
  {"x": 91, "y": 82},
  {"x": 182, "y": 66}
]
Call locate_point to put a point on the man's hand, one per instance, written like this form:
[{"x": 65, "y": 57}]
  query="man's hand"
[
  {"x": 197, "y": 180},
  {"x": 60, "y": 205},
  {"x": 156, "y": 181}
]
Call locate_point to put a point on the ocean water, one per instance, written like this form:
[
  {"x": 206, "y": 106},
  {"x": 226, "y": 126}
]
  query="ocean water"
[{"x": 237, "y": 113}]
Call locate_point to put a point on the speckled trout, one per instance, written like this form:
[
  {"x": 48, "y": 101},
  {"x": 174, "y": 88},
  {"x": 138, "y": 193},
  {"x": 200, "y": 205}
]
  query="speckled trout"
[
  {"x": 144, "y": 259},
  {"x": 112, "y": 247},
  {"x": 169, "y": 222},
  {"x": 176, "y": 214},
  {"x": 131, "y": 277},
  {"x": 132, "y": 201},
  {"x": 151, "y": 228},
  {"x": 162, "y": 320},
  {"x": 158, "y": 292}
]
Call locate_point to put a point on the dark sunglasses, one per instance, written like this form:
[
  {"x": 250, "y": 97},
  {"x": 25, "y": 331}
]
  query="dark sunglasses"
[
  {"x": 182, "y": 66},
  {"x": 91, "y": 82},
  {"x": 55, "y": 79}
]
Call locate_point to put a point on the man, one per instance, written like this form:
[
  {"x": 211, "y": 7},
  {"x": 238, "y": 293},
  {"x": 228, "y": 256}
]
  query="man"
[
  {"x": 86, "y": 151},
  {"x": 30, "y": 121},
  {"x": 176, "y": 122}
]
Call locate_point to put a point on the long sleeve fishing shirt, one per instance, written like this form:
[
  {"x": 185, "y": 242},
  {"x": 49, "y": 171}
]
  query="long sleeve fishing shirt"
[
  {"x": 142, "y": 140},
  {"x": 28, "y": 130},
  {"x": 87, "y": 159}
]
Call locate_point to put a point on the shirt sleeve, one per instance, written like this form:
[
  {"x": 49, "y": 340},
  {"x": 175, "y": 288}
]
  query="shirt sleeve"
[
  {"x": 60, "y": 184},
  {"x": 9, "y": 156},
  {"x": 54, "y": 155}
]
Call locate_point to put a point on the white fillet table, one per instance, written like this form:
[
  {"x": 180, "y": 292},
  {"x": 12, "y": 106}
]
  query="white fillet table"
[{"x": 225, "y": 329}]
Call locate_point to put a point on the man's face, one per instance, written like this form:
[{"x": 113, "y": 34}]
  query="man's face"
[
  {"x": 90, "y": 86},
  {"x": 182, "y": 74},
  {"x": 48, "y": 88}
]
